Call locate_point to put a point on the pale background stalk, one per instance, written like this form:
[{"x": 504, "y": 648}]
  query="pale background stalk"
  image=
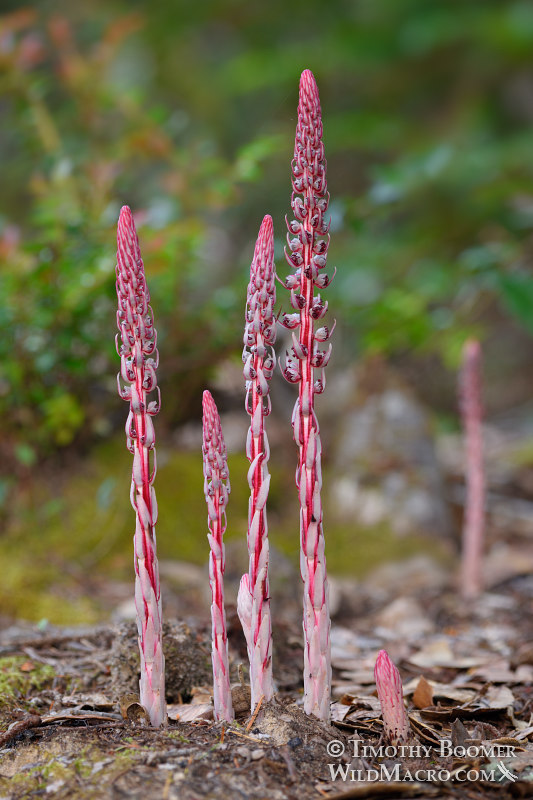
[{"x": 474, "y": 516}]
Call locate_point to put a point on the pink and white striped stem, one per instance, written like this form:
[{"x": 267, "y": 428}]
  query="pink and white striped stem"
[
  {"x": 306, "y": 253},
  {"x": 390, "y": 694},
  {"x": 474, "y": 518},
  {"x": 138, "y": 363},
  {"x": 259, "y": 362},
  {"x": 216, "y": 489}
]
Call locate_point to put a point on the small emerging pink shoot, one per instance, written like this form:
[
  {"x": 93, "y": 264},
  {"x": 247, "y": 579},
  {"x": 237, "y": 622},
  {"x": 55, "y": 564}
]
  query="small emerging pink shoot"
[
  {"x": 136, "y": 347},
  {"x": 216, "y": 490},
  {"x": 474, "y": 518},
  {"x": 390, "y": 694}
]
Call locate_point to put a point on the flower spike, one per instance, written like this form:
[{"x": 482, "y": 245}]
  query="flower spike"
[
  {"x": 136, "y": 345},
  {"x": 306, "y": 253},
  {"x": 216, "y": 490},
  {"x": 259, "y": 360}
]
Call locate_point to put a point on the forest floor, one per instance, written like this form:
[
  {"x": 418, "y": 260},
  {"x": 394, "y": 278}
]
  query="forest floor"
[{"x": 71, "y": 727}]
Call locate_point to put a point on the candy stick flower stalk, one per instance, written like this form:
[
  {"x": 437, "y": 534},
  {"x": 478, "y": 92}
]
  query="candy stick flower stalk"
[
  {"x": 474, "y": 519},
  {"x": 308, "y": 239},
  {"x": 259, "y": 362},
  {"x": 136, "y": 346},
  {"x": 390, "y": 694},
  {"x": 216, "y": 489}
]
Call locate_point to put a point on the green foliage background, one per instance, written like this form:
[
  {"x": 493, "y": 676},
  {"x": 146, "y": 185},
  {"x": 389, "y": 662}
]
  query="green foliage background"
[{"x": 186, "y": 112}]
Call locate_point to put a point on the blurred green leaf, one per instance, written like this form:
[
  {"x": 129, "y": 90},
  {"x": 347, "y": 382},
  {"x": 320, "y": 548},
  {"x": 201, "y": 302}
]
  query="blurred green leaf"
[
  {"x": 25, "y": 454},
  {"x": 517, "y": 295},
  {"x": 187, "y": 114}
]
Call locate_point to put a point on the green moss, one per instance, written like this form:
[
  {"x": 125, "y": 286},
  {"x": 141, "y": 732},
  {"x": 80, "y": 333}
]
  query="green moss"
[
  {"x": 76, "y": 771},
  {"x": 34, "y": 589},
  {"x": 522, "y": 456},
  {"x": 355, "y": 551},
  {"x": 15, "y": 681},
  {"x": 83, "y": 764},
  {"x": 178, "y": 736},
  {"x": 182, "y": 525},
  {"x": 52, "y": 544},
  {"x": 84, "y": 526}
]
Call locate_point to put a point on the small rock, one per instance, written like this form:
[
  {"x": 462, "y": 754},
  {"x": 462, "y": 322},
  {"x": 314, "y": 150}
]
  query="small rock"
[
  {"x": 294, "y": 742},
  {"x": 54, "y": 786}
]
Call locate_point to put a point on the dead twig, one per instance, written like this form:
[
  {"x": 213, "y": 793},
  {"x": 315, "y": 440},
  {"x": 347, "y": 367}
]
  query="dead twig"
[
  {"x": 393, "y": 789},
  {"x": 254, "y": 715},
  {"x": 284, "y": 753},
  {"x": 33, "y": 721},
  {"x": 242, "y": 735},
  {"x": 37, "y": 641}
]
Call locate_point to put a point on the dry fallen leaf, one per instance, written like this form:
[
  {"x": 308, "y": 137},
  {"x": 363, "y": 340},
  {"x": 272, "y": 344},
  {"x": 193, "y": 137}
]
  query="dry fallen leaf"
[
  {"x": 404, "y": 617},
  {"x": 368, "y": 705},
  {"x": 423, "y": 694},
  {"x": 444, "y": 691},
  {"x": 497, "y": 671},
  {"x": 357, "y": 677},
  {"x": 201, "y": 694},
  {"x": 498, "y": 697},
  {"x": 426, "y": 734},
  {"x": 338, "y": 711},
  {"x": 459, "y": 733},
  {"x": 438, "y": 653},
  {"x": 188, "y": 712},
  {"x": 96, "y": 700},
  {"x": 133, "y": 711}
]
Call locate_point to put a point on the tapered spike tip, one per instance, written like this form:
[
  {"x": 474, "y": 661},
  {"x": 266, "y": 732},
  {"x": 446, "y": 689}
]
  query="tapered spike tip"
[{"x": 309, "y": 97}]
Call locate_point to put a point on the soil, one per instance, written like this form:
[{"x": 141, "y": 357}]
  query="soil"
[{"x": 71, "y": 727}]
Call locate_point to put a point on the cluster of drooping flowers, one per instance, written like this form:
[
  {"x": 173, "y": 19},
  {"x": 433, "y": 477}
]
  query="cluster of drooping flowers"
[
  {"x": 390, "y": 694},
  {"x": 216, "y": 490},
  {"x": 138, "y": 362},
  {"x": 259, "y": 361},
  {"x": 308, "y": 241},
  {"x": 474, "y": 518}
]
